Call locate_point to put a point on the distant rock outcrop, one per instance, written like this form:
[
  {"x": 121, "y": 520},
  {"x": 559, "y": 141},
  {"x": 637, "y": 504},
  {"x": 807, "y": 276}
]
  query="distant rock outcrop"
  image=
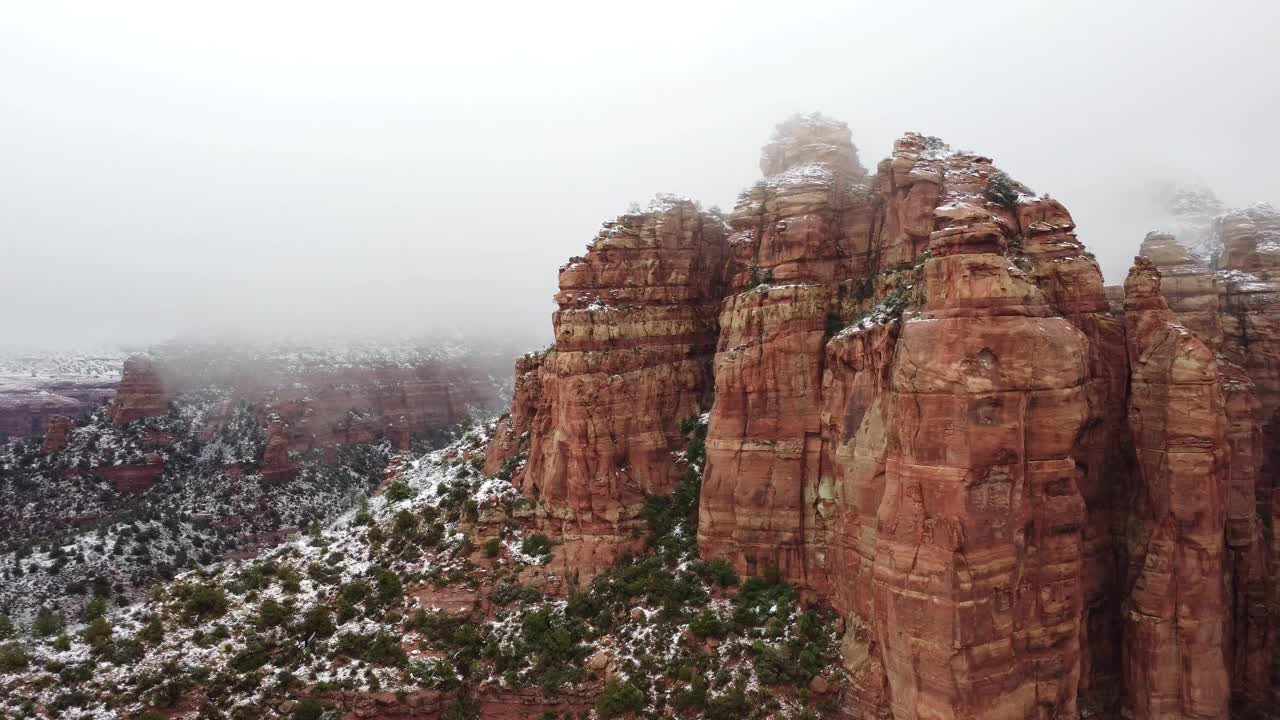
[
  {"x": 275, "y": 455},
  {"x": 142, "y": 392},
  {"x": 55, "y": 436}
]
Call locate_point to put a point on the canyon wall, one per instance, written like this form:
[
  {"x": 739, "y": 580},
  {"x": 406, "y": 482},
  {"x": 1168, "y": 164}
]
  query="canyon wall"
[
  {"x": 30, "y": 401},
  {"x": 599, "y": 416},
  {"x": 313, "y": 409},
  {"x": 1027, "y": 495}
]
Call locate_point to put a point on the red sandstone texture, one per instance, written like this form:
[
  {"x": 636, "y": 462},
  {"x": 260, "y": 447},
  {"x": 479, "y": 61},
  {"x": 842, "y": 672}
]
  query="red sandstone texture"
[
  {"x": 599, "y": 416},
  {"x": 347, "y": 406},
  {"x": 1175, "y": 617},
  {"x": 142, "y": 392},
  {"x": 55, "y": 435},
  {"x": 28, "y": 404},
  {"x": 133, "y": 478},
  {"x": 320, "y": 409},
  {"x": 275, "y": 455},
  {"x": 1028, "y": 495},
  {"x": 1233, "y": 308}
]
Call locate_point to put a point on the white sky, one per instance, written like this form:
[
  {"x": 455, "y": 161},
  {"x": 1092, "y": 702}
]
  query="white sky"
[{"x": 292, "y": 167}]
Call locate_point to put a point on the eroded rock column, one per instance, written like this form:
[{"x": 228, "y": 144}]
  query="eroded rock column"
[{"x": 1175, "y": 611}]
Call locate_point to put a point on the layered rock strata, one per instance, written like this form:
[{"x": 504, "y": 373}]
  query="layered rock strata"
[
  {"x": 142, "y": 392},
  {"x": 926, "y": 410},
  {"x": 1176, "y": 610},
  {"x": 1232, "y": 307},
  {"x": 55, "y": 435},
  {"x": 599, "y": 416}
]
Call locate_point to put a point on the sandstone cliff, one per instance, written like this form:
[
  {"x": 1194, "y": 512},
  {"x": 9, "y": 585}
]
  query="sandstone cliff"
[
  {"x": 926, "y": 411},
  {"x": 1229, "y": 303},
  {"x": 142, "y": 392}
]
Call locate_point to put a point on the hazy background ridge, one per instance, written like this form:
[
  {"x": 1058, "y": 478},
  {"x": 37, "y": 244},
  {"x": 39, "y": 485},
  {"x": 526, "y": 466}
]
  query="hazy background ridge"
[{"x": 296, "y": 167}]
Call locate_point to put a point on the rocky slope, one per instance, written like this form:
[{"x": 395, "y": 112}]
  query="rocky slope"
[
  {"x": 203, "y": 453},
  {"x": 437, "y": 599},
  {"x": 36, "y": 387},
  {"x": 1025, "y": 495},
  {"x": 872, "y": 445}
]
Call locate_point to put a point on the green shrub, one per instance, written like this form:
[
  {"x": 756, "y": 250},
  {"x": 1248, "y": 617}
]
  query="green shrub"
[
  {"x": 508, "y": 592},
  {"x": 98, "y": 635},
  {"x": 13, "y": 657},
  {"x": 1001, "y": 191},
  {"x": 388, "y": 585},
  {"x": 380, "y": 648},
  {"x": 317, "y": 622},
  {"x": 732, "y": 705},
  {"x": 537, "y": 545},
  {"x": 290, "y": 579},
  {"x": 397, "y": 491},
  {"x": 619, "y": 698},
  {"x": 272, "y": 613},
  {"x": 153, "y": 632},
  {"x": 363, "y": 516},
  {"x": 717, "y": 572},
  {"x": 96, "y": 608},
  {"x": 405, "y": 523},
  {"x": 308, "y": 709},
  {"x": 508, "y": 469},
  {"x": 48, "y": 622},
  {"x": 707, "y": 624},
  {"x": 492, "y": 547},
  {"x": 757, "y": 277},
  {"x": 203, "y": 601}
]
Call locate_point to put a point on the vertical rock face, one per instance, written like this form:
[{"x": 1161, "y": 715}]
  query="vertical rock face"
[
  {"x": 1188, "y": 284},
  {"x": 141, "y": 394},
  {"x": 1176, "y": 610},
  {"x": 978, "y": 563},
  {"x": 635, "y": 331},
  {"x": 133, "y": 478},
  {"x": 275, "y": 455},
  {"x": 1028, "y": 496},
  {"x": 55, "y": 436},
  {"x": 1242, "y": 329},
  {"x": 358, "y": 404},
  {"x": 511, "y": 435},
  {"x": 796, "y": 235},
  {"x": 1251, "y": 317}
]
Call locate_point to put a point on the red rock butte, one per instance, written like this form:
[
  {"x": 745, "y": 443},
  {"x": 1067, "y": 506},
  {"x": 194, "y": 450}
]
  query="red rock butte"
[{"x": 1027, "y": 497}]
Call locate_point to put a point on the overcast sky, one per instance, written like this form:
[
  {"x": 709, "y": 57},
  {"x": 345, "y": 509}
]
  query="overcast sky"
[{"x": 179, "y": 167}]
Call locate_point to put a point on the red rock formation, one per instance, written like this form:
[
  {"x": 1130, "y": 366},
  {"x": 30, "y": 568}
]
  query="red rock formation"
[
  {"x": 142, "y": 392},
  {"x": 511, "y": 436},
  {"x": 133, "y": 478},
  {"x": 1071, "y": 280},
  {"x": 399, "y": 435},
  {"x": 961, "y": 470},
  {"x": 26, "y": 409},
  {"x": 797, "y": 235},
  {"x": 275, "y": 455},
  {"x": 1188, "y": 284},
  {"x": 1251, "y": 322},
  {"x": 35, "y": 388},
  {"x": 634, "y": 334},
  {"x": 55, "y": 436},
  {"x": 1176, "y": 610},
  {"x": 359, "y": 404},
  {"x": 978, "y": 568}
]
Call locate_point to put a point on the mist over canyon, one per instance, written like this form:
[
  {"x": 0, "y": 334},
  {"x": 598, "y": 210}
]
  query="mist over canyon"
[
  {"x": 314, "y": 169},
  {"x": 581, "y": 363}
]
